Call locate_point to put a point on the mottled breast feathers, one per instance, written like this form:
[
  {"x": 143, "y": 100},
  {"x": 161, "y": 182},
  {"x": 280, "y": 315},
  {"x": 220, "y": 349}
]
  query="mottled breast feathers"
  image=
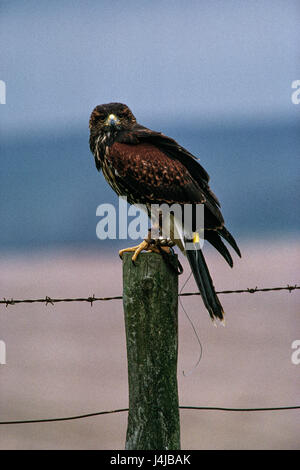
[
  {"x": 149, "y": 167},
  {"x": 151, "y": 177}
]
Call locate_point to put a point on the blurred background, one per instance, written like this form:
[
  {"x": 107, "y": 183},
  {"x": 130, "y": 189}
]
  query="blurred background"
[{"x": 217, "y": 77}]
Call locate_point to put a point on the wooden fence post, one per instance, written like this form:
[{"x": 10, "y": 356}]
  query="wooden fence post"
[{"x": 150, "y": 298}]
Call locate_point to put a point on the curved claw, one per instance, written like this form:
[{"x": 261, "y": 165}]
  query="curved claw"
[{"x": 147, "y": 245}]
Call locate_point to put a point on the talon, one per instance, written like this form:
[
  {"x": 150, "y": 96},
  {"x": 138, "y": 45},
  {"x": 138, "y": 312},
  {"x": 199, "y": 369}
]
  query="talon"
[
  {"x": 142, "y": 246},
  {"x": 153, "y": 245}
]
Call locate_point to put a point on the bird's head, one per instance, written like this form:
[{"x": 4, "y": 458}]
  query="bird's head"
[{"x": 111, "y": 118}]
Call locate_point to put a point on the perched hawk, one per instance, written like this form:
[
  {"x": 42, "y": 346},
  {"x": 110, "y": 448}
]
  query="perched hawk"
[{"x": 151, "y": 168}]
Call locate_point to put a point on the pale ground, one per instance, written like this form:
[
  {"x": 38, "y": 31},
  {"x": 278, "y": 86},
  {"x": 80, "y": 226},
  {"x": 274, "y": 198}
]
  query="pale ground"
[{"x": 69, "y": 359}]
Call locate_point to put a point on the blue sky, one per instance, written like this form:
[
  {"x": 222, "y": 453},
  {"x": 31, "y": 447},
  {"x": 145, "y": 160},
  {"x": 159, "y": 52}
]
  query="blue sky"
[
  {"x": 198, "y": 61},
  {"x": 215, "y": 75}
]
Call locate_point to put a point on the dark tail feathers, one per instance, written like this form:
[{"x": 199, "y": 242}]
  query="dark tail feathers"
[
  {"x": 205, "y": 284},
  {"x": 229, "y": 238}
]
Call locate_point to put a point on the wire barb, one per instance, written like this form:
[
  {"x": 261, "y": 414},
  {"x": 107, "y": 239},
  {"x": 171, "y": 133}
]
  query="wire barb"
[{"x": 48, "y": 300}]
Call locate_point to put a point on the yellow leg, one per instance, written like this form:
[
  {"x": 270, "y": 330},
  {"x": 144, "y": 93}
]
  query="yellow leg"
[
  {"x": 136, "y": 249},
  {"x": 145, "y": 245}
]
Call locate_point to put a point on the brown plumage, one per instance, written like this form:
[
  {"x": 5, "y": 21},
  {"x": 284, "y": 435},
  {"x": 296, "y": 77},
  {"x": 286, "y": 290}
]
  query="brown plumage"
[{"x": 151, "y": 168}]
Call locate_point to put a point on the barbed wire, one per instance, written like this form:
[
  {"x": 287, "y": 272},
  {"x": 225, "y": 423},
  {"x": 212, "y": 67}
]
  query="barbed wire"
[
  {"x": 121, "y": 410},
  {"x": 48, "y": 300}
]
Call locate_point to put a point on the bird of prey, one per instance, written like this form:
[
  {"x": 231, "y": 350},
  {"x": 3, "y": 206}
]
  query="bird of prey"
[{"x": 150, "y": 168}]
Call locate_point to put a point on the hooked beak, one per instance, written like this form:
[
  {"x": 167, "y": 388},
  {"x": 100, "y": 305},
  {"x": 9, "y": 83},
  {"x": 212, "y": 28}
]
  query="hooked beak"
[{"x": 112, "y": 120}]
